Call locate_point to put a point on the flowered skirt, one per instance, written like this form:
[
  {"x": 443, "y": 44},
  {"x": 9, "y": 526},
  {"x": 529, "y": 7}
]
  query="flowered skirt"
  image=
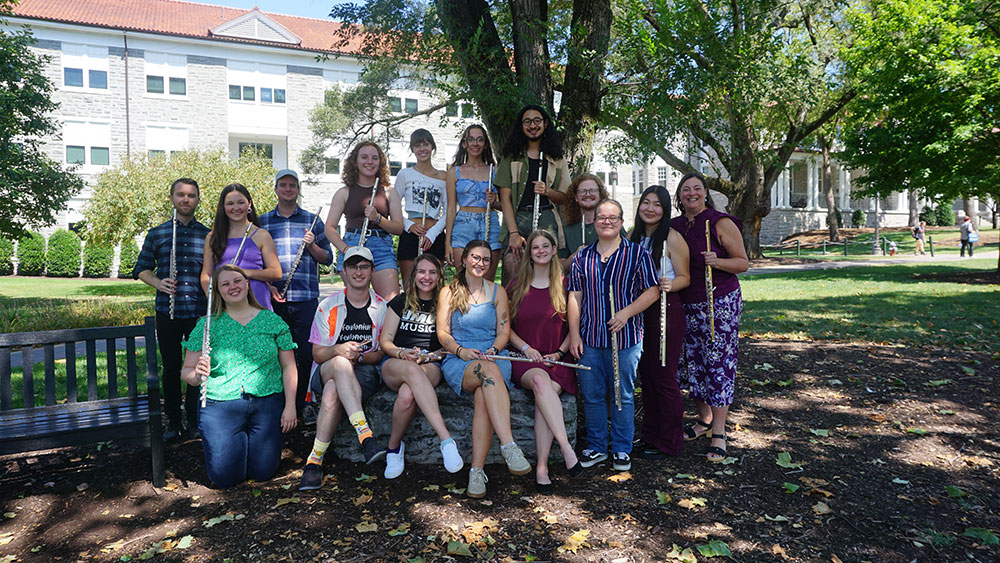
[{"x": 708, "y": 367}]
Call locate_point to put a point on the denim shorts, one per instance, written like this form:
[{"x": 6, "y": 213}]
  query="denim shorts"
[
  {"x": 379, "y": 242},
  {"x": 469, "y": 226}
]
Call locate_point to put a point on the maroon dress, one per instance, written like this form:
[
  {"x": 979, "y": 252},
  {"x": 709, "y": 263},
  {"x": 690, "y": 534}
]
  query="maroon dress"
[{"x": 538, "y": 324}]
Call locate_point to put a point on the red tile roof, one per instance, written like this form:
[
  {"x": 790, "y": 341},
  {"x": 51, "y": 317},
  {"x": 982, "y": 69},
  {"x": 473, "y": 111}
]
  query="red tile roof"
[{"x": 173, "y": 17}]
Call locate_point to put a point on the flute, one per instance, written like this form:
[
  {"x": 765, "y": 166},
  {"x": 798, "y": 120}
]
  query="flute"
[
  {"x": 583, "y": 229},
  {"x": 486, "y": 215},
  {"x": 534, "y": 211},
  {"x": 614, "y": 352},
  {"x": 709, "y": 287},
  {"x": 519, "y": 358},
  {"x": 173, "y": 262},
  {"x": 663, "y": 309},
  {"x": 236, "y": 258},
  {"x": 298, "y": 256},
  {"x": 423, "y": 215},
  {"x": 206, "y": 343},
  {"x": 364, "y": 226}
]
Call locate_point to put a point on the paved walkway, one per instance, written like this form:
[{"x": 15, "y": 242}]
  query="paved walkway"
[{"x": 874, "y": 261}]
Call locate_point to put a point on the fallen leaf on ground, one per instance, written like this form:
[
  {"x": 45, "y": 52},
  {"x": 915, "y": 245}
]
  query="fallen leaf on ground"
[
  {"x": 575, "y": 541},
  {"x": 715, "y": 548},
  {"x": 785, "y": 460},
  {"x": 459, "y": 548},
  {"x": 778, "y": 550},
  {"x": 662, "y": 497},
  {"x": 821, "y": 508},
  {"x": 286, "y": 500},
  {"x": 690, "y": 503},
  {"x": 400, "y": 530},
  {"x": 224, "y": 518},
  {"x": 678, "y": 555},
  {"x": 365, "y": 527}
]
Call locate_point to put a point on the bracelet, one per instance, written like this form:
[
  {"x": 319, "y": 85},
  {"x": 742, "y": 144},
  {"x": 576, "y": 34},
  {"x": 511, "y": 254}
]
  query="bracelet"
[
  {"x": 525, "y": 347},
  {"x": 459, "y": 352},
  {"x": 379, "y": 220}
]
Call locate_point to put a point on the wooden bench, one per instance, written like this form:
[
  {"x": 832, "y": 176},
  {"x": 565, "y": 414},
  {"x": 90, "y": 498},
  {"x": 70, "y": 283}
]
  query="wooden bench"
[{"x": 123, "y": 414}]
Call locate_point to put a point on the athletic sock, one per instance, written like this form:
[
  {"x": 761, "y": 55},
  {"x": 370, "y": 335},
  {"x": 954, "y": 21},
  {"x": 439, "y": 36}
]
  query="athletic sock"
[
  {"x": 394, "y": 450},
  {"x": 361, "y": 426},
  {"x": 318, "y": 451}
]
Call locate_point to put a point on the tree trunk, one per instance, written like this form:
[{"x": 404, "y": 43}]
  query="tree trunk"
[
  {"x": 581, "y": 92},
  {"x": 745, "y": 192},
  {"x": 832, "y": 216},
  {"x": 531, "y": 50},
  {"x": 914, "y": 208},
  {"x": 473, "y": 35},
  {"x": 969, "y": 206}
]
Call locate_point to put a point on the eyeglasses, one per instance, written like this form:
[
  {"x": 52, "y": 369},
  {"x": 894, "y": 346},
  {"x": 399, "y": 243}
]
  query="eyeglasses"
[
  {"x": 475, "y": 139},
  {"x": 533, "y": 121},
  {"x": 363, "y": 266},
  {"x": 477, "y": 259},
  {"x": 607, "y": 219},
  {"x": 588, "y": 192}
]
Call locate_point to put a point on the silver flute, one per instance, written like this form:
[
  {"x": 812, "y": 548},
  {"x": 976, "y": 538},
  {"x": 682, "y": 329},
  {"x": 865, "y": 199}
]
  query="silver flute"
[
  {"x": 173, "y": 263},
  {"x": 298, "y": 256},
  {"x": 663, "y": 310},
  {"x": 519, "y": 358},
  {"x": 614, "y": 351},
  {"x": 486, "y": 216},
  {"x": 364, "y": 226},
  {"x": 236, "y": 258},
  {"x": 709, "y": 286},
  {"x": 538, "y": 198},
  {"x": 206, "y": 343}
]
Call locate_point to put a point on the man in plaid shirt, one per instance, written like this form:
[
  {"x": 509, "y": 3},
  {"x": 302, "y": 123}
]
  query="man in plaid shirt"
[
  {"x": 153, "y": 267},
  {"x": 289, "y": 227}
]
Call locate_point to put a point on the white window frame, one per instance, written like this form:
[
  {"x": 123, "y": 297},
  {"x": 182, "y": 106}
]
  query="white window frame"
[
  {"x": 89, "y": 134},
  {"x": 166, "y": 66},
  {"x": 87, "y": 58},
  {"x": 257, "y": 76}
]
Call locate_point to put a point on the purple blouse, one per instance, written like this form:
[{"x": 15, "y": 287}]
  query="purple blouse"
[
  {"x": 694, "y": 233},
  {"x": 250, "y": 259}
]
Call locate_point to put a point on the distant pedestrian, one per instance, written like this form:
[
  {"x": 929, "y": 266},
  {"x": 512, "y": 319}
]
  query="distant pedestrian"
[
  {"x": 969, "y": 236},
  {"x": 919, "y": 233}
]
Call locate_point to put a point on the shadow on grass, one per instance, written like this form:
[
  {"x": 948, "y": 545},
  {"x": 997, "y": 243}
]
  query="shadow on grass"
[{"x": 117, "y": 290}]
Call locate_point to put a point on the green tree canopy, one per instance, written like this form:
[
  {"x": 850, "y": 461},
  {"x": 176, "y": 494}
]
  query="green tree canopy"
[
  {"x": 133, "y": 197},
  {"x": 33, "y": 187}
]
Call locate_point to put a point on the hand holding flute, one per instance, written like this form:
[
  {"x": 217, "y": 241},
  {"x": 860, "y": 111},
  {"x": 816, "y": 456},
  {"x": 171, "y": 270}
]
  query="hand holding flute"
[{"x": 306, "y": 241}]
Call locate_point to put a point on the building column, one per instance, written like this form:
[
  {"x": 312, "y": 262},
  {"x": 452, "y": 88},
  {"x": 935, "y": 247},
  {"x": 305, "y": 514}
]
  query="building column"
[{"x": 810, "y": 184}]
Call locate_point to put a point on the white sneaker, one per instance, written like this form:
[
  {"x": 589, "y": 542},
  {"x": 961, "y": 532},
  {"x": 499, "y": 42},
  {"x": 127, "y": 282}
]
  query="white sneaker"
[
  {"x": 452, "y": 459},
  {"x": 394, "y": 463}
]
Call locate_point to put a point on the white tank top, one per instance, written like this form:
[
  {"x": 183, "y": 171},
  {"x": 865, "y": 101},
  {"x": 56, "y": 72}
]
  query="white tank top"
[{"x": 669, "y": 272}]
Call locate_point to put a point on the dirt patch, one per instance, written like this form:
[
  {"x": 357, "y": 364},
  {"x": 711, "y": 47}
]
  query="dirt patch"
[
  {"x": 975, "y": 277},
  {"x": 893, "y": 456}
]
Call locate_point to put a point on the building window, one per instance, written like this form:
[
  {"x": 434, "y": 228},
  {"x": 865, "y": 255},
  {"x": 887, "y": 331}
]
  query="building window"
[
  {"x": 332, "y": 165},
  {"x": 411, "y": 105},
  {"x": 799, "y": 191},
  {"x": 266, "y": 97},
  {"x": 411, "y": 164},
  {"x": 267, "y": 149},
  {"x": 451, "y": 110},
  {"x": 613, "y": 178},
  {"x": 395, "y": 105},
  {"x": 661, "y": 175},
  {"x": 245, "y": 93},
  {"x": 279, "y": 96},
  {"x": 157, "y": 154},
  {"x": 394, "y": 167},
  {"x": 76, "y": 154},
  {"x": 235, "y": 92},
  {"x": 154, "y": 84},
  {"x": 100, "y": 156},
  {"x": 249, "y": 93},
  {"x": 178, "y": 86},
  {"x": 468, "y": 110},
  {"x": 85, "y": 66},
  {"x": 601, "y": 175}
]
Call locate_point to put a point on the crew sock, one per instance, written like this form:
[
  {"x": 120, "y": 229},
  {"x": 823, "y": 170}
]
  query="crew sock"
[
  {"x": 361, "y": 426},
  {"x": 318, "y": 451}
]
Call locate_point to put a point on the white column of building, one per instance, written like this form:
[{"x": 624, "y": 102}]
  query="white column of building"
[
  {"x": 810, "y": 184},
  {"x": 845, "y": 189},
  {"x": 786, "y": 187}
]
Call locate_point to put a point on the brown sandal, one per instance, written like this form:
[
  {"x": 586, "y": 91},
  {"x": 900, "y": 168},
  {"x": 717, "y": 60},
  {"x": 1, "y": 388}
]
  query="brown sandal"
[{"x": 691, "y": 434}]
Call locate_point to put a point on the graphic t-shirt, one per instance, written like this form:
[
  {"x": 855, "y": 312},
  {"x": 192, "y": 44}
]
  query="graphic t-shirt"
[
  {"x": 357, "y": 325},
  {"x": 416, "y": 329}
]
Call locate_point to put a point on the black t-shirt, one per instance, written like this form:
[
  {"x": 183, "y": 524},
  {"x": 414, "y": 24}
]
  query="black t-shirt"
[
  {"x": 528, "y": 199},
  {"x": 357, "y": 325},
  {"x": 415, "y": 329}
]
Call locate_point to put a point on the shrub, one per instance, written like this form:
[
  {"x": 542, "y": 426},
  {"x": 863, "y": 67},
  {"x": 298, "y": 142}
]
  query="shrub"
[
  {"x": 945, "y": 216},
  {"x": 97, "y": 261},
  {"x": 858, "y": 218},
  {"x": 6, "y": 257},
  {"x": 31, "y": 255},
  {"x": 63, "y": 258},
  {"x": 927, "y": 215},
  {"x": 126, "y": 258}
]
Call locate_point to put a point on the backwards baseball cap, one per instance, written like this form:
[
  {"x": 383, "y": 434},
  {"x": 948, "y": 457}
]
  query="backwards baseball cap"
[
  {"x": 359, "y": 252},
  {"x": 286, "y": 172}
]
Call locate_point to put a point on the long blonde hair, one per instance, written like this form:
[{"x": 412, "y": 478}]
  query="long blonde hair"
[
  {"x": 525, "y": 274},
  {"x": 460, "y": 286},
  {"x": 219, "y": 304},
  {"x": 412, "y": 303}
]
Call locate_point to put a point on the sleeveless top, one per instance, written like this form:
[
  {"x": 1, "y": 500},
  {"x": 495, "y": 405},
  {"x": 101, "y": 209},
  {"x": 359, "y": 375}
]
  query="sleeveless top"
[
  {"x": 478, "y": 327},
  {"x": 646, "y": 243},
  {"x": 694, "y": 234},
  {"x": 358, "y": 198},
  {"x": 250, "y": 259},
  {"x": 470, "y": 193}
]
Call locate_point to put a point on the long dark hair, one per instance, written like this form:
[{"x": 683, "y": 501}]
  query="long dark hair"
[
  {"x": 220, "y": 226},
  {"x": 662, "y": 230},
  {"x": 462, "y": 154},
  {"x": 685, "y": 178},
  {"x": 517, "y": 141}
]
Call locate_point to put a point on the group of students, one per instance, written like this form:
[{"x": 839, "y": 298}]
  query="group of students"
[{"x": 579, "y": 291}]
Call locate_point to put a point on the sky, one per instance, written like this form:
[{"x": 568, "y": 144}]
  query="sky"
[{"x": 319, "y": 9}]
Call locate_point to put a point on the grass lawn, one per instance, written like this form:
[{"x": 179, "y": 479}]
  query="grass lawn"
[
  {"x": 898, "y": 305},
  {"x": 28, "y": 304},
  {"x": 945, "y": 239}
]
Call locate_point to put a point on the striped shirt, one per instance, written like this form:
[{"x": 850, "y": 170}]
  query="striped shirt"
[
  {"x": 287, "y": 233},
  {"x": 190, "y": 302},
  {"x": 630, "y": 270}
]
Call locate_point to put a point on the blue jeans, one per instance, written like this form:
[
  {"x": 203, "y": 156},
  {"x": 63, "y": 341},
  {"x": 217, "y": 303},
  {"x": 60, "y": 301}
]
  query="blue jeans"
[
  {"x": 471, "y": 226},
  {"x": 299, "y": 317},
  {"x": 242, "y": 438},
  {"x": 596, "y": 385}
]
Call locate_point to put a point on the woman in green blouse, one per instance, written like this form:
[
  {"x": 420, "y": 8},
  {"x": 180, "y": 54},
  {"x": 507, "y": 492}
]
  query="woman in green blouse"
[{"x": 251, "y": 378}]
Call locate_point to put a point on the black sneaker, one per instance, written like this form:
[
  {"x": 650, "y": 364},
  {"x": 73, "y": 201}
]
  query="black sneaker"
[
  {"x": 622, "y": 461},
  {"x": 649, "y": 452},
  {"x": 372, "y": 451},
  {"x": 590, "y": 458},
  {"x": 172, "y": 433},
  {"x": 312, "y": 477}
]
